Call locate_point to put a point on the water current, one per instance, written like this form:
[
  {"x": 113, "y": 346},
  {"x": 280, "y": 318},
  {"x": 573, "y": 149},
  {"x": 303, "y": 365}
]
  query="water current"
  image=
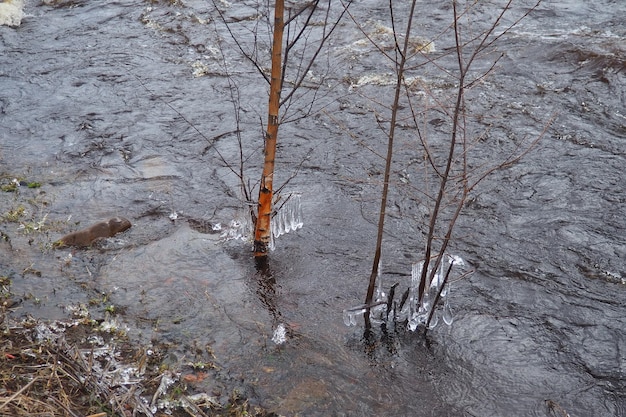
[{"x": 129, "y": 108}]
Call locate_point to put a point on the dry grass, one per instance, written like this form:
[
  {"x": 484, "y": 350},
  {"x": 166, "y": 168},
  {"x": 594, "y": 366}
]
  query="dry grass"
[
  {"x": 45, "y": 375},
  {"x": 74, "y": 369}
]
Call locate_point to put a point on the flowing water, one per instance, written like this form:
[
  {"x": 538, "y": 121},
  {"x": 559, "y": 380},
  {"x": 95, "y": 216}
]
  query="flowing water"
[{"x": 129, "y": 109}]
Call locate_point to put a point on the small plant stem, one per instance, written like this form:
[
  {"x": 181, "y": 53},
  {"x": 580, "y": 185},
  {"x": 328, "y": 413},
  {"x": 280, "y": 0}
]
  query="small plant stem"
[
  {"x": 388, "y": 159},
  {"x": 437, "y": 297},
  {"x": 458, "y": 111}
]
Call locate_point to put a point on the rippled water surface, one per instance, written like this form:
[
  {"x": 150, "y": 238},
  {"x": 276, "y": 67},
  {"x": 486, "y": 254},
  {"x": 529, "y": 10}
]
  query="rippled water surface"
[{"x": 129, "y": 109}]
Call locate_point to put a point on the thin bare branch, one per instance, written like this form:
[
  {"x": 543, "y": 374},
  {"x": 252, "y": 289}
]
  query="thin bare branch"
[
  {"x": 246, "y": 55},
  {"x": 388, "y": 160},
  {"x": 325, "y": 36}
]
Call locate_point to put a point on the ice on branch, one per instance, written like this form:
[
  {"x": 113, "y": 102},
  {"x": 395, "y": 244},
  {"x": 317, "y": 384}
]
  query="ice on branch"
[
  {"x": 239, "y": 228},
  {"x": 408, "y": 308},
  {"x": 287, "y": 218}
]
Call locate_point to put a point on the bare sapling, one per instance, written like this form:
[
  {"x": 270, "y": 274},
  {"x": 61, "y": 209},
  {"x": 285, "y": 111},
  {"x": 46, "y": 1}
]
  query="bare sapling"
[
  {"x": 450, "y": 168},
  {"x": 390, "y": 137},
  {"x": 297, "y": 41}
]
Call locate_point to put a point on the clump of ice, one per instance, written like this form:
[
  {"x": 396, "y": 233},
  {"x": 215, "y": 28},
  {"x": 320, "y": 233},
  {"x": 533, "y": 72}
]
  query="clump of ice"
[{"x": 280, "y": 334}]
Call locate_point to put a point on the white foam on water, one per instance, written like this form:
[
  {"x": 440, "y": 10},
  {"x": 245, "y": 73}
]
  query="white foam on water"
[{"x": 11, "y": 13}]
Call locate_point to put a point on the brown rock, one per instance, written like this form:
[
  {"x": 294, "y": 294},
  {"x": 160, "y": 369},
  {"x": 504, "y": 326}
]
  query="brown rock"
[{"x": 85, "y": 237}]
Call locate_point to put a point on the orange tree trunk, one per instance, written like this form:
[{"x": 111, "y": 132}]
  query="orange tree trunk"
[{"x": 262, "y": 230}]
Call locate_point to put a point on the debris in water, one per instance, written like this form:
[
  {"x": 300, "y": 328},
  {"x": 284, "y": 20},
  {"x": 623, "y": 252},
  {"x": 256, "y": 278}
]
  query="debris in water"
[{"x": 200, "y": 69}]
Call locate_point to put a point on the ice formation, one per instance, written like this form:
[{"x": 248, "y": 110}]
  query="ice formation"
[
  {"x": 237, "y": 229},
  {"x": 288, "y": 218},
  {"x": 386, "y": 308}
]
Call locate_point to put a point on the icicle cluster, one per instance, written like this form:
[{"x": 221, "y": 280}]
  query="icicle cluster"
[
  {"x": 387, "y": 308},
  {"x": 287, "y": 219},
  {"x": 418, "y": 315},
  {"x": 378, "y": 309}
]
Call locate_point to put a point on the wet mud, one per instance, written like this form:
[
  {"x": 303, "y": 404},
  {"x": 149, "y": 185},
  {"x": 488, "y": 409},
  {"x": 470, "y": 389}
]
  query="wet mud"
[{"x": 130, "y": 109}]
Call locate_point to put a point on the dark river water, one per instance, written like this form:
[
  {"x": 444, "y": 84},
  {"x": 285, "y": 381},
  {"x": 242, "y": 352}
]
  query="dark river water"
[{"x": 132, "y": 108}]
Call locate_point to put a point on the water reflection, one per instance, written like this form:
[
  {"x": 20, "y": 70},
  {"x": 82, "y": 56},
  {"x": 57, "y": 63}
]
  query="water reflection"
[{"x": 266, "y": 287}]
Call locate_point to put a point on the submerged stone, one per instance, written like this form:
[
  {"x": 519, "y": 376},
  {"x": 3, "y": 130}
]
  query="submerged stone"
[{"x": 86, "y": 237}]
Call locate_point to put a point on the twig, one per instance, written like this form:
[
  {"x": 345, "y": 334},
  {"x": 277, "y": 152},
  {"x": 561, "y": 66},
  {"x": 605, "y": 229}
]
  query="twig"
[
  {"x": 12, "y": 397},
  {"x": 389, "y": 157},
  {"x": 63, "y": 406},
  {"x": 190, "y": 407}
]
